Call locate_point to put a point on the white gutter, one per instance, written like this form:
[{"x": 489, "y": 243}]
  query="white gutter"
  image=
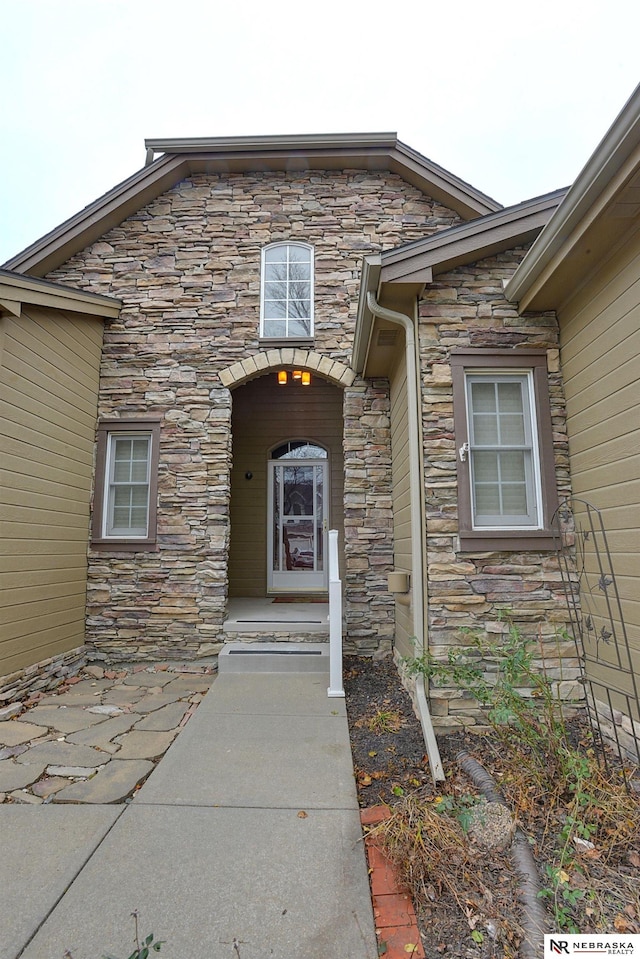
[{"x": 418, "y": 544}]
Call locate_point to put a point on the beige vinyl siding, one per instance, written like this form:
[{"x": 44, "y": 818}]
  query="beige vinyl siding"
[
  {"x": 49, "y": 371},
  {"x": 402, "y": 531},
  {"x": 265, "y": 415},
  {"x": 600, "y": 344}
]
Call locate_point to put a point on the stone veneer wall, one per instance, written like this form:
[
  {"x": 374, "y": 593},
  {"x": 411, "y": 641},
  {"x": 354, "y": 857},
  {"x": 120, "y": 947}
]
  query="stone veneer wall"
[
  {"x": 466, "y": 308},
  {"x": 618, "y": 729},
  {"x": 39, "y": 678},
  {"x": 187, "y": 268}
]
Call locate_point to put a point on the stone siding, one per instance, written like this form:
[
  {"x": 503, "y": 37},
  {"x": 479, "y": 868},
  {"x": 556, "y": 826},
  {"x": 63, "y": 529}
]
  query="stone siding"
[
  {"x": 41, "y": 677},
  {"x": 617, "y": 729},
  {"x": 187, "y": 268},
  {"x": 472, "y": 590}
]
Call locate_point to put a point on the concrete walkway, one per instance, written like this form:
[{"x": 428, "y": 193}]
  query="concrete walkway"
[{"x": 244, "y": 843}]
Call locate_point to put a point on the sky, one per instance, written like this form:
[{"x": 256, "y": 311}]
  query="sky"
[{"x": 512, "y": 97}]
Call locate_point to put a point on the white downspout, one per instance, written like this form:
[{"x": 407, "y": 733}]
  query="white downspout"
[{"x": 418, "y": 533}]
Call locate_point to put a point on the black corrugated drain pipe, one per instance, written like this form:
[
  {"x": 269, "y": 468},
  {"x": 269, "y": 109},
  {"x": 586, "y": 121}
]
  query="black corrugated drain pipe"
[{"x": 535, "y": 922}]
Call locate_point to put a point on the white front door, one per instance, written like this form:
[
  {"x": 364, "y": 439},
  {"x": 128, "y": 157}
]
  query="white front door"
[{"x": 296, "y": 560}]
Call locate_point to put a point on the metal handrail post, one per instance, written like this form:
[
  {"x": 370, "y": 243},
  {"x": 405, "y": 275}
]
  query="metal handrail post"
[{"x": 335, "y": 689}]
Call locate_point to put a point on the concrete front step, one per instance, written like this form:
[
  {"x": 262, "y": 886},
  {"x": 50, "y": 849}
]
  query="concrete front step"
[{"x": 277, "y": 657}]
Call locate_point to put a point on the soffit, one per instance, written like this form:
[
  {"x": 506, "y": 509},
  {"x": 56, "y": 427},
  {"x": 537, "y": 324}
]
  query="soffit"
[
  {"x": 376, "y": 152},
  {"x": 469, "y": 242},
  {"x": 607, "y": 225},
  {"x": 16, "y": 290}
]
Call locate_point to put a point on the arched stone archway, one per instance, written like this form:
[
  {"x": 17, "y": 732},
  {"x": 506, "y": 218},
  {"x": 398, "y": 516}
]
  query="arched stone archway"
[
  {"x": 273, "y": 359},
  {"x": 264, "y": 416}
]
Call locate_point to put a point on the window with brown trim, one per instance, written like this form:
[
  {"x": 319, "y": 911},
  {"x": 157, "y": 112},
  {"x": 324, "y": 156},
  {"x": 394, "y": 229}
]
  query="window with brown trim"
[
  {"x": 126, "y": 484},
  {"x": 504, "y": 449}
]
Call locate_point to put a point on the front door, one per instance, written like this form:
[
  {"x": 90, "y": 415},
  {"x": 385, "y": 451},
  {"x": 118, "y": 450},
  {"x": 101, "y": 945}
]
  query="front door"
[{"x": 297, "y": 520}]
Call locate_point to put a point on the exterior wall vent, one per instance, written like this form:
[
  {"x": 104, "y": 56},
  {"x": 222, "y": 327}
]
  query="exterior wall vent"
[{"x": 387, "y": 337}]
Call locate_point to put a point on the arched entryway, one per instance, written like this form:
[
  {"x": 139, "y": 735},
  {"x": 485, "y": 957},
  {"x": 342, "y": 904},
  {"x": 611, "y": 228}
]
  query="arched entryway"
[{"x": 287, "y": 485}]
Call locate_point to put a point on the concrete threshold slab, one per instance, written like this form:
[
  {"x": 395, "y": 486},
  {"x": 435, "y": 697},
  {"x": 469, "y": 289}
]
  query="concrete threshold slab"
[
  {"x": 43, "y": 849},
  {"x": 279, "y": 884},
  {"x": 274, "y": 657}
]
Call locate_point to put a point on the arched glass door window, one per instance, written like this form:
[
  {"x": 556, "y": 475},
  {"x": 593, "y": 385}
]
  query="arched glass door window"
[
  {"x": 286, "y": 296},
  {"x": 299, "y": 450}
]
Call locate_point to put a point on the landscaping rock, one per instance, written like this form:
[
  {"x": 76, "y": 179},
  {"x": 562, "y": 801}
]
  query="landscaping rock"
[
  {"x": 73, "y": 772},
  {"x": 124, "y": 695},
  {"x": 24, "y": 797},
  {"x": 62, "y": 754},
  {"x": 105, "y": 732},
  {"x": 10, "y": 751},
  {"x": 46, "y": 787},
  {"x": 491, "y": 825},
  {"x": 8, "y": 712},
  {"x": 96, "y": 671},
  {"x": 145, "y": 745},
  {"x": 67, "y": 719},
  {"x": 154, "y": 702},
  {"x": 15, "y": 775},
  {"x": 190, "y": 684},
  {"x": 112, "y": 784},
  {"x": 13, "y": 734},
  {"x": 148, "y": 679},
  {"x": 163, "y": 719},
  {"x": 70, "y": 698}
]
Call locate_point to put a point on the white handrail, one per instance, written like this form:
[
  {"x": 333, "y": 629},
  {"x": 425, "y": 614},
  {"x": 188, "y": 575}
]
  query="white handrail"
[{"x": 335, "y": 689}]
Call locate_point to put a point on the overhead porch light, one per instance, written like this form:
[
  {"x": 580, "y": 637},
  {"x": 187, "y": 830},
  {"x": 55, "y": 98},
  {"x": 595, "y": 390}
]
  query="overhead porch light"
[{"x": 300, "y": 376}]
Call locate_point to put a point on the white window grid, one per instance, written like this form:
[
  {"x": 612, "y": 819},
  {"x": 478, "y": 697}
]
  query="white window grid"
[
  {"x": 134, "y": 489},
  {"x": 530, "y": 447},
  {"x": 281, "y": 291}
]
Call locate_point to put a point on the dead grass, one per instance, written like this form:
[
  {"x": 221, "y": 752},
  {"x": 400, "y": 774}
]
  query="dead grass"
[{"x": 446, "y": 873}]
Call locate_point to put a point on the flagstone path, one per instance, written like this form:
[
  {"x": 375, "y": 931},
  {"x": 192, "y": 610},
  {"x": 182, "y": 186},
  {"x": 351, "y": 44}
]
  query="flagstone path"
[{"x": 98, "y": 736}]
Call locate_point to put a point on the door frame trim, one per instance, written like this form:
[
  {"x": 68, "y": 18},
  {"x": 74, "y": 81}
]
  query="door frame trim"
[{"x": 322, "y": 587}]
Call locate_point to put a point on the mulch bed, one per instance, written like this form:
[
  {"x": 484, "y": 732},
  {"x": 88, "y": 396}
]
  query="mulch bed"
[{"x": 481, "y": 918}]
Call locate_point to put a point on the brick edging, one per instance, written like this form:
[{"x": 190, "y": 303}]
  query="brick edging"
[{"x": 394, "y": 916}]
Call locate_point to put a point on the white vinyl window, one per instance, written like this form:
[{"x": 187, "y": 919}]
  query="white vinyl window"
[
  {"x": 128, "y": 468},
  {"x": 286, "y": 298},
  {"x": 503, "y": 444}
]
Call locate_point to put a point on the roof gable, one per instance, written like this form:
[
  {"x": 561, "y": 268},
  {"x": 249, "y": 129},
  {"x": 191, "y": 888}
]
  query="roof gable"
[
  {"x": 184, "y": 157},
  {"x": 599, "y": 212},
  {"x": 17, "y": 290},
  {"x": 395, "y": 277}
]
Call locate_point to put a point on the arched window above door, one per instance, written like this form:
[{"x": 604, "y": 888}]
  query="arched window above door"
[
  {"x": 286, "y": 291},
  {"x": 299, "y": 450}
]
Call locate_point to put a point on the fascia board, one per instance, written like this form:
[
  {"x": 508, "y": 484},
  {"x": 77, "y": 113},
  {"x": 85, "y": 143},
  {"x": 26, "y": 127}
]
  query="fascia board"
[
  {"x": 270, "y": 144},
  {"x": 369, "y": 282},
  {"x": 606, "y": 172},
  {"x": 513, "y": 226},
  {"x": 19, "y": 290},
  {"x": 441, "y": 184},
  {"x": 14, "y": 307},
  {"x": 95, "y": 220},
  {"x": 367, "y": 150}
]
